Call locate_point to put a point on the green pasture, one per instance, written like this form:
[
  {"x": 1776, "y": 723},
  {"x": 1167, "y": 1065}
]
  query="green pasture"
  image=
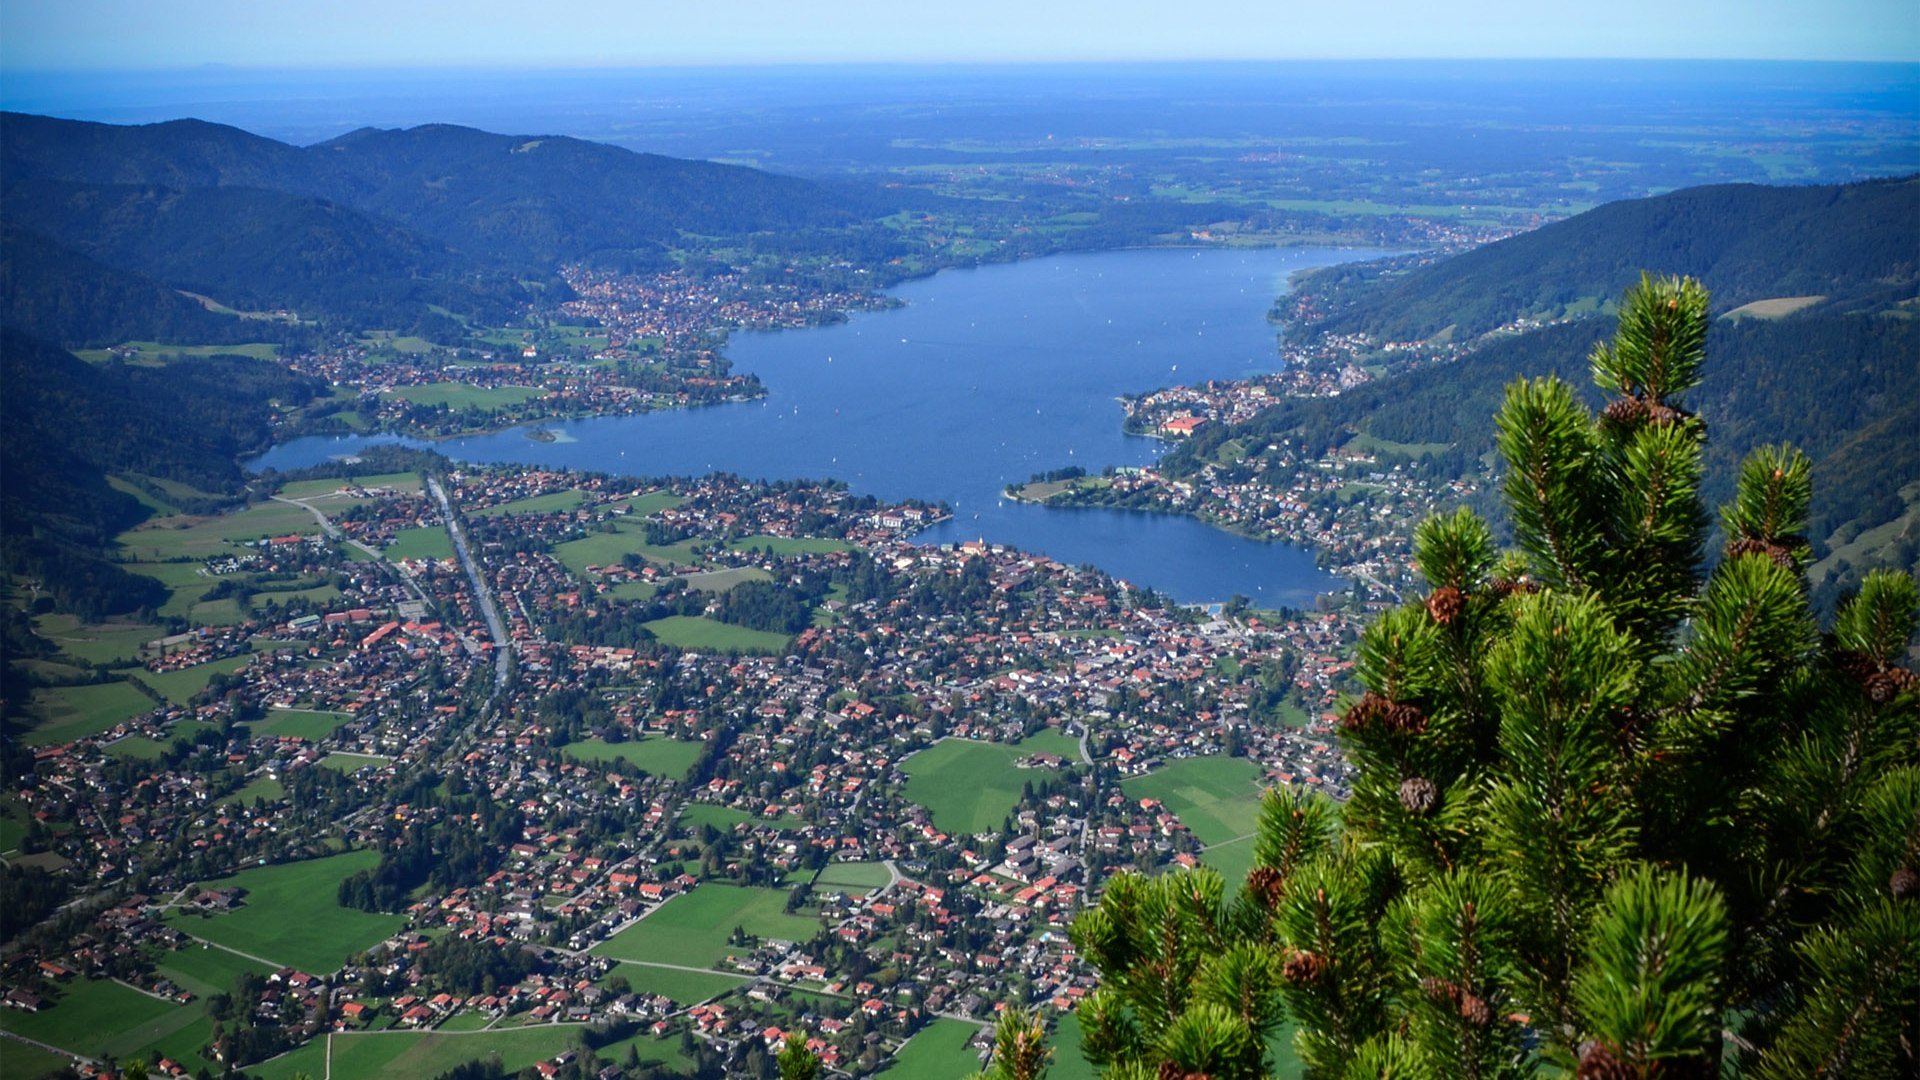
[
  {"x": 180, "y": 686},
  {"x": 684, "y": 987},
  {"x": 552, "y": 502},
  {"x": 656, "y": 755},
  {"x": 692, "y": 929},
  {"x": 460, "y": 396},
  {"x": 66, "y": 713},
  {"x": 96, "y": 643},
  {"x": 937, "y": 1052},
  {"x": 791, "y": 545},
  {"x": 423, "y": 542},
  {"x": 291, "y": 917},
  {"x": 697, "y": 633},
  {"x": 970, "y": 787},
  {"x": 1216, "y": 797}
]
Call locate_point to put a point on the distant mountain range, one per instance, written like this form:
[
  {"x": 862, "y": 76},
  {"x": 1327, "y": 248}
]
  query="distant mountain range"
[
  {"x": 1836, "y": 371},
  {"x": 1850, "y": 247},
  {"x": 375, "y": 227}
]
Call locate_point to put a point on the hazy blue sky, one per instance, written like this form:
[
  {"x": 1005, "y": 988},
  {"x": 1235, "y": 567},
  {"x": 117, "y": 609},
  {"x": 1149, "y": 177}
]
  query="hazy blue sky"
[{"x": 118, "y": 34}]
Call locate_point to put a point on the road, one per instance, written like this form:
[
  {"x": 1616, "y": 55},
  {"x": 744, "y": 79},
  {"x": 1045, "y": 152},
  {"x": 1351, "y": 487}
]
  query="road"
[
  {"x": 502, "y": 647},
  {"x": 333, "y": 533}
]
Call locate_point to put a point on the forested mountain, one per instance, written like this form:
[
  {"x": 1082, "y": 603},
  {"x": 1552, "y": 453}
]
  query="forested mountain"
[
  {"x": 66, "y": 425},
  {"x": 1851, "y": 244},
  {"x": 372, "y": 228},
  {"x": 56, "y": 293}
]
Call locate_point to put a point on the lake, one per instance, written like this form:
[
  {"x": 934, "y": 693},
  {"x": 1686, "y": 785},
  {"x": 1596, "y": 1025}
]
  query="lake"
[{"x": 985, "y": 377}]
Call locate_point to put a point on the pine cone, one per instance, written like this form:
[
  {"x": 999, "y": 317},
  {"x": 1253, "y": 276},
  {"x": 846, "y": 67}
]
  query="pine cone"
[
  {"x": 1881, "y": 687},
  {"x": 1599, "y": 1063},
  {"x": 1445, "y": 604},
  {"x": 1439, "y": 989},
  {"x": 1626, "y": 411},
  {"x": 1474, "y": 1011},
  {"x": 1503, "y": 588},
  {"x": 1418, "y": 795},
  {"x": 1303, "y": 968},
  {"x": 1905, "y": 883},
  {"x": 1405, "y": 719},
  {"x": 1266, "y": 884},
  {"x": 1782, "y": 556},
  {"x": 1362, "y": 714},
  {"x": 1169, "y": 1071}
]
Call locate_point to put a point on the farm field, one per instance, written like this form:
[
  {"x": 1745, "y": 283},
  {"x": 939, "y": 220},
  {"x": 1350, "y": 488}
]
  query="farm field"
[
  {"x": 303, "y": 723},
  {"x": 200, "y": 537},
  {"x": 539, "y": 504},
  {"x": 651, "y": 503},
  {"x": 316, "y": 489},
  {"x": 350, "y": 762},
  {"x": 96, "y": 643},
  {"x": 852, "y": 877},
  {"x": 264, "y": 788},
  {"x": 22, "y": 1061},
  {"x": 701, "y": 634},
  {"x": 153, "y": 350},
  {"x": 458, "y": 396},
  {"x": 719, "y": 581},
  {"x": 607, "y": 548},
  {"x": 1217, "y": 797},
  {"x": 692, "y": 929},
  {"x": 97, "y": 1017},
  {"x": 406, "y": 1054},
  {"x": 656, "y": 755},
  {"x": 67, "y": 713},
  {"x": 970, "y": 786},
  {"x": 425, "y": 542},
  {"x": 205, "y": 970},
  {"x": 937, "y": 1052},
  {"x": 180, "y": 686},
  {"x": 291, "y": 917},
  {"x": 686, "y": 988},
  {"x": 726, "y": 817}
]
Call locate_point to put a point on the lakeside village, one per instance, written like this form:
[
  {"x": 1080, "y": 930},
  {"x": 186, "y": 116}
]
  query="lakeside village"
[
  {"x": 701, "y": 763},
  {"x": 625, "y": 344}
]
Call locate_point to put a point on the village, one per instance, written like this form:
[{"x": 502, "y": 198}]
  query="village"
[{"x": 762, "y": 764}]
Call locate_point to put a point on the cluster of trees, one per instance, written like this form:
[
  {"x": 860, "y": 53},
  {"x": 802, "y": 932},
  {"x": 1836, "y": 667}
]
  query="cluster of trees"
[
  {"x": 468, "y": 967},
  {"x": 448, "y": 853},
  {"x": 1609, "y": 818}
]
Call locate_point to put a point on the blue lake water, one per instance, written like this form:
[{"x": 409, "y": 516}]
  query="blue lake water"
[{"x": 984, "y": 378}]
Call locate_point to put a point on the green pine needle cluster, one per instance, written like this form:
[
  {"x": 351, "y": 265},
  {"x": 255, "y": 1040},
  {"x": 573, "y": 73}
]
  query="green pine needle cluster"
[{"x": 1615, "y": 815}]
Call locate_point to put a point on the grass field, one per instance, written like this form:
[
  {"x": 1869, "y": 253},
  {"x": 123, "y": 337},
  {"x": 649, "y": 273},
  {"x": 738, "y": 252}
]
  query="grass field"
[
  {"x": 458, "y": 396},
  {"x": 264, "y": 788},
  {"x": 652, "y": 502},
  {"x": 303, "y": 723},
  {"x": 151, "y": 350},
  {"x": 18, "y": 1061},
  {"x": 141, "y": 748},
  {"x": 539, "y": 504},
  {"x": 684, "y": 987},
  {"x": 937, "y": 1052},
  {"x": 66, "y": 713},
  {"x": 425, "y": 542},
  {"x": 970, "y": 786},
  {"x": 309, "y": 489},
  {"x": 96, "y": 643},
  {"x": 407, "y": 1054},
  {"x": 853, "y": 877},
  {"x": 290, "y": 916},
  {"x": 656, "y": 755},
  {"x": 180, "y": 686},
  {"x": 698, "y": 633},
  {"x": 207, "y": 970},
  {"x": 200, "y": 537},
  {"x": 99, "y": 1017},
  {"x": 725, "y": 818},
  {"x": 607, "y": 548},
  {"x": 791, "y": 545},
  {"x": 351, "y": 763},
  {"x": 691, "y": 930},
  {"x": 1216, "y": 797},
  {"x": 1773, "y": 308}
]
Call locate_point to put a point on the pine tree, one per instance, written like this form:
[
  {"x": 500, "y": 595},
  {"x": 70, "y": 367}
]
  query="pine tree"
[{"x": 1613, "y": 815}]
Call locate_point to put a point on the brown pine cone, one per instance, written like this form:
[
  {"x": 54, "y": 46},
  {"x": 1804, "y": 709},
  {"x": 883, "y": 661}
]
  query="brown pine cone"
[
  {"x": 1781, "y": 556},
  {"x": 1445, "y": 604},
  {"x": 1266, "y": 884},
  {"x": 1626, "y": 411},
  {"x": 1418, "y": 795},
  {"x": 1405, "y": 719},
  {"x": 1362, "y": 714},
  {"x": 1905, "y": 883},
  {"x": 1474, "y": 1011},
  {"x": 1599, "y": 1063},
  {"x": 1439, "y": 989},
  {"x": 1303, "y": 967}
]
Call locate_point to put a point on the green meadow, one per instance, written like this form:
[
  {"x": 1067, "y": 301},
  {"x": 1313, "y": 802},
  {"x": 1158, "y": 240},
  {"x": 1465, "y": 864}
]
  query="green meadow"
[
  {"x": 692, "y": 929},
  {"x": 969, "y": 787},
  {"x": 291, "y": 917}
]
